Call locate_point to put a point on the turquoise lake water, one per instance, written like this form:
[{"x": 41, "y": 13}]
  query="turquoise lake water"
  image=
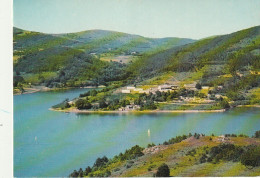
[{"x": 49, "y": 143}]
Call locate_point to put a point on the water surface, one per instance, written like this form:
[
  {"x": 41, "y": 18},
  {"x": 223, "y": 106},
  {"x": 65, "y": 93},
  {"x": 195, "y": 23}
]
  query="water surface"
[{"x": 49, "y": 143}]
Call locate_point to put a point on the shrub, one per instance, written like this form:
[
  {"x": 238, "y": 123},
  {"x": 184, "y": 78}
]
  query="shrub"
[
  {"x": 163, "y": 171},
  {"x": 198, "y": 86},
  {"x": 224, "y": 104},
  {"x": 102, "y": 104},
  {"x": 257, "y": 134},
  {"x": 251, "y": 157}
]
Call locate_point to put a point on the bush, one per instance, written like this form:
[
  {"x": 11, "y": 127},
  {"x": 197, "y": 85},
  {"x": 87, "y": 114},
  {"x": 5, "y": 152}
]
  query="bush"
[
  {"x": 198, "y": 86},
  {"x": 163, "y": 171},
  {"x": 102, "y": 104},
  {"x": 224, "y": 104},
  {"x": 257, "y": 134},
  {"x": 251, "y": 157}
]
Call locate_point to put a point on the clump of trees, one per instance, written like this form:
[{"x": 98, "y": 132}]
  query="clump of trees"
[
  {"x": 101, "y": 164},
  {"x": 221, "y": 104},
  {"x": 177, "y": 139},
  {"x": 150, "y": 145},
  {"x": 89, "y": 93},
  {"x": 247, "y": 155},
  {"x": 83, "y": 104},
  {"x": 134, "y": 152},
  {"x": 235, "y": 135},
  {"x": 63, "y": 105}
]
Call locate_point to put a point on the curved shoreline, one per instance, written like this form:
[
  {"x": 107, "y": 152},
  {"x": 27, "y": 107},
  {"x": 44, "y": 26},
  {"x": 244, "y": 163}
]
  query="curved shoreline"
[
  {"x": 46, "y": 89},
  {"x": 146, "y": 111}
]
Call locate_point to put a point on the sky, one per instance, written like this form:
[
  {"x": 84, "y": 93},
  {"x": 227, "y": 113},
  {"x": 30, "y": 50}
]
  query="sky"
[{"x": 150, "y": 18}]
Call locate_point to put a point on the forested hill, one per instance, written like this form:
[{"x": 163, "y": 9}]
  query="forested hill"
[
  {"x": 229, "y": 63},
  {"x": 98, "y": 57},
  {"x": 239, "y": 51},
  {"x": 79, "y": 58}
]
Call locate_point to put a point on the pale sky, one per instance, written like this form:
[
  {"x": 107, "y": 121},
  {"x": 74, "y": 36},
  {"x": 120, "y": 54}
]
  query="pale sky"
[{"x": 150, "y": 18}]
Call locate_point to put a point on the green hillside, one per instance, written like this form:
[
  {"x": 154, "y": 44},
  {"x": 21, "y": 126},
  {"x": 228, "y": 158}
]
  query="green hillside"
[
  {"x": 231, "y": 61},
  {"x": 77, "y": 59},
  {"x": 190, "y": 155},
  {"x": 235, "y": 52}
]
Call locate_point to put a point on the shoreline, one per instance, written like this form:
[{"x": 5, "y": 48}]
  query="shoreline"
[
  {"x": 135, "y": 111},
  {"x": 45, "y": 89},
  {"x": 249, "y": 106}
]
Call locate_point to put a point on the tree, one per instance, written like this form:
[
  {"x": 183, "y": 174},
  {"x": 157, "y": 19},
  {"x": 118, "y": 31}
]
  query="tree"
[
  {"x": 163, "y": 171},
  {"x": 102, "y": 104},
  {"x": 224, "y": 104},
  {"x": 17, "y": 80},
  {"x": 93, "y": 92},
  {"x": 101, "y": 162},
  {"x": 87, "y": 171},
  {"x": 198, "y": 86},
  {"x": 125, "y": 102},
  {"x": 251, "y": 157},
  {"x": 257, "y": 134},
  {"x": 74, "y": 174},
  {"x": 80, "y": 172}
]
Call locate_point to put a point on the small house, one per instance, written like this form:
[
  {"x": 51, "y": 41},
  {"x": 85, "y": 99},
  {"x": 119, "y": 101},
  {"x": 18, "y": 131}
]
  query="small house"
[
  {"x": 205, "y": 87},
  {"x": 218, "y": 96},
  {"x": 126, "y": 91},
  {"x": 219, "y": 87},
  {"x": 165, "y": 88},
  {"x": 130, "y": 88},
  {"x": 191, "y": 86},
  {"x": 138, "y": 89}
]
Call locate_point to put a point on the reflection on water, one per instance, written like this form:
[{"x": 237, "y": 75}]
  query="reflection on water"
[{"x": 49, "y": 143}]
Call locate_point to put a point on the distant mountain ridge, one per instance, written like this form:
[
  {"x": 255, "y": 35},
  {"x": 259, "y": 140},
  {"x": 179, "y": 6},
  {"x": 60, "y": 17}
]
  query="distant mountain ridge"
[{"x": 101, "y": 41}]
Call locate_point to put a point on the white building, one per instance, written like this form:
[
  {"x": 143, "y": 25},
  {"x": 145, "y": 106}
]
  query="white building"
[
  {"x": 218, "y": 96},
  {"x": 205, "y": 87},
  {"x": 138, "y": 89},
  {"x": 126, "y": 91},
  {"x": 191, "y": 86},
  {"x": 165, "y": 88},
  {"x": 168, "y": 87},
  {"x": 130, "y": 88}
]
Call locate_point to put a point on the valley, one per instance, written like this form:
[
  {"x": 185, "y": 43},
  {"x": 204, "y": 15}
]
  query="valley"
[{"x": 215, "y": 73}]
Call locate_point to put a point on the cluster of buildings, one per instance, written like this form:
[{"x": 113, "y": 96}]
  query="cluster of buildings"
[
  {"x": 131, "y": 89},
  {"x": 129, "y": 107},
  {"x": 161, "y": 88},
  {"x": 167, "y": 87}
]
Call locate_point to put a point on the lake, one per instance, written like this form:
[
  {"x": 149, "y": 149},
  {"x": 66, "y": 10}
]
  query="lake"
[{"x": 49, "y": 143}]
